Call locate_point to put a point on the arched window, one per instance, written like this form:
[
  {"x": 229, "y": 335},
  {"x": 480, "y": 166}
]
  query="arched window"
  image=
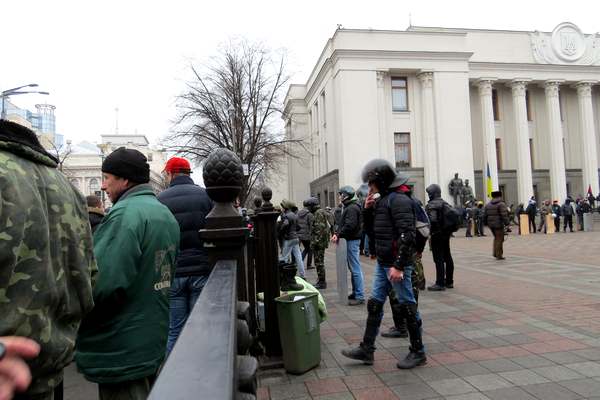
[
  {"x": 74, "y": 182},
  {"x": 94, "y": 185}
]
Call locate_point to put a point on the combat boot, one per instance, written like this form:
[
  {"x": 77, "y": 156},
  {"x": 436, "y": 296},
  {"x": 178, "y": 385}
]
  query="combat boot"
[
  {"x": 360, "y": 353},
  {"x": 321, "y": 285},
  {"x": 413, "y": 359}
]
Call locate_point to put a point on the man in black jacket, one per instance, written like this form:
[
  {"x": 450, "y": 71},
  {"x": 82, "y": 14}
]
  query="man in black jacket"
[
  {"x": 440, "y": 240},
  {"x": 189, "y": 204},
  {"x": 567, "y": 213},
  {"x": 496, "y": 218},
  {"x": 288, "y": 231},
  {"x": 350, "y": 228},
  {"x": 390, "y": 218},
  {"x": 95, "y": 211}
]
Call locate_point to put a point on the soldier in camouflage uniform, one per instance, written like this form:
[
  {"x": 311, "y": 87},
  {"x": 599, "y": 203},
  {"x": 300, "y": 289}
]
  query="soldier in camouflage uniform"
[
  {"x": 319, "y": 239},
  {"x": 46, "y": 256}
]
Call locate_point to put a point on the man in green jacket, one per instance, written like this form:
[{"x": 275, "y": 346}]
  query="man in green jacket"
[
  {"x": 122, "y": 342},
  {"x": 46, "y": 256}
]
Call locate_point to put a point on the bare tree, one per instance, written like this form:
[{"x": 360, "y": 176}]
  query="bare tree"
[
  {"x": 61, "y": 152},
  {"x": 235, "y": 101}
]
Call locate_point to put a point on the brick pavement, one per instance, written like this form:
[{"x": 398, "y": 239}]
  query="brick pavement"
[{"x": 524, "y": 328}]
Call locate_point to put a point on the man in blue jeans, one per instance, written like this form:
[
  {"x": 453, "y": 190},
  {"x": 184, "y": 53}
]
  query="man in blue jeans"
[
  {"x": 350, "y": 228},
  {"x": 288, "y": 231},
  {"x": 189, "y": 204},
  {"x": 390, "y": 218}
]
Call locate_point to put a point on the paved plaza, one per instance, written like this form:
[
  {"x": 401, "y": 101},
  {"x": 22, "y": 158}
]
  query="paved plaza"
[{"x": 524, "y": 328}]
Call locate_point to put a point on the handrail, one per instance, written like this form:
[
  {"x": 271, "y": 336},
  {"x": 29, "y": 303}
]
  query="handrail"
[{"x": 202, "y": 365}]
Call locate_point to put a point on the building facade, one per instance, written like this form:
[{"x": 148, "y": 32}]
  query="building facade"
[
  {"x": 83, "y": 164},
  {"x": 520, "y": 110},
  {"x": 42, "y": 122}
]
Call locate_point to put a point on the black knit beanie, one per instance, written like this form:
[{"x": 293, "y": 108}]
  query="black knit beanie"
[{"x": 127, "y": 163}]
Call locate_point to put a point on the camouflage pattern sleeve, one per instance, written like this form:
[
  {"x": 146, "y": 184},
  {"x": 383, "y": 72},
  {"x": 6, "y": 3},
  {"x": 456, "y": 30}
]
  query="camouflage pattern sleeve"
[
  {"x": 320, "y": 230},
  {"x": 47, "y": 263}
]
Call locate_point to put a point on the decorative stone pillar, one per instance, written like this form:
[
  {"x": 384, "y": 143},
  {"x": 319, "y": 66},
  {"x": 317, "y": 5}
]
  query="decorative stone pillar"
[
  {"x": 430, "y": 154},
  {"x": 489, "y": 133},
  {"x": 588, "y": 136},
  {"x": 558, "y": 176},
  {"x": 524, "y": 174},
  {"x": 225, "y": 233}
]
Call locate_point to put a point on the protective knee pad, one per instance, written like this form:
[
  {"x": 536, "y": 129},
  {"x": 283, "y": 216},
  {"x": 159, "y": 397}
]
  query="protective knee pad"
[
  {"x": 374, "y": 306},
  {"x": 409, "y": 311}
]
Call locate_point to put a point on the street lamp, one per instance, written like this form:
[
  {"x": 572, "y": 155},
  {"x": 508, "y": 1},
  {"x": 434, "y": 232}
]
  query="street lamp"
[{"x": 16, "y": 91}]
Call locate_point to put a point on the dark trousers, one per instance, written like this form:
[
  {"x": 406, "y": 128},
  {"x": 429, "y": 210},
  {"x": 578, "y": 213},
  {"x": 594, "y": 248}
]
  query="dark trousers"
[
  {"x": 568, "y": 220},
  {"x": 498, "y": 242},
  {"x": 531, "y": 223},
  {"x": 307, "y": 252},
  {"x": 557, "y": 224},
  {"x": 444, "y": 265}
]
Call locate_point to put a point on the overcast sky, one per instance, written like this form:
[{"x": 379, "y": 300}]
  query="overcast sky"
[{"x": 94, "y": 56}]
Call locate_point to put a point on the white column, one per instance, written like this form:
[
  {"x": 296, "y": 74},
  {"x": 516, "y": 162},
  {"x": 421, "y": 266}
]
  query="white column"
[
  {"x": 383, "y": 108},
  {"x": 489, "y": 133},
  {"x": 558, "y": 176},
  {"x": 430, "y": 154},
  {"x": 588, "y": 136},
  {"x": 524, "y": 175}
]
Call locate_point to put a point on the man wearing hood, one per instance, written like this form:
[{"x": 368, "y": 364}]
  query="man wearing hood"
[
  {"x": 567, "y": 213},
  {"x": 288, "y": 231},
  {"x": 496, "y": 218},
  {"x": 390, "y": 218},
  {"x": 350, "y": 228},
  {"x": 440, "y": 239},
  {"x": 305, "y": 218},
  {"x": 121, "y": 343}
]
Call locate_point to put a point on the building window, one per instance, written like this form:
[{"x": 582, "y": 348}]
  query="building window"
[
  {"x": 528, "y": 105},
  {"x": 495, "y": 105},
  {"x": 316, "y": 117},
  {"x": 150, "y": 157},
  {"x": 402, "y": 149},
  {"x": 331, "y": 199},
  {"x": 94, "y": 185},
  {"x": 399, "y": 94},
  {"x": 499, "y": 154},
  {"x": 531, "y": 154}
]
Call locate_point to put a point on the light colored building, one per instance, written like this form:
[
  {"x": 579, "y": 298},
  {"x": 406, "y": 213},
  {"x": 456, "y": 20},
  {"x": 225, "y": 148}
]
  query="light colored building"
[
  {"x": 440, "y": 101},
  {"x": 83, "y": 165},
  {"x": 42, "y": 122}
]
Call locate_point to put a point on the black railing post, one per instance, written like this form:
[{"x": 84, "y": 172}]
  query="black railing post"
[
  {"x": 267, "y": 270},
  {"x": 225, "y": 233}
]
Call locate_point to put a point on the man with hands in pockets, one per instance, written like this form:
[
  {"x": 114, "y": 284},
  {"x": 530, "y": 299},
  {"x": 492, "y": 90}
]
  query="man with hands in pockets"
[{"x": 389, "y": 216}]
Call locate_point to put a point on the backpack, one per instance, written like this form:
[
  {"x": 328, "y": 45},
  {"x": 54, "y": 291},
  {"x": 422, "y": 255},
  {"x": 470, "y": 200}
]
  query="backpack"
[
  {"x": 450, "y": 219},
  {"x": 421, "y": 218}
]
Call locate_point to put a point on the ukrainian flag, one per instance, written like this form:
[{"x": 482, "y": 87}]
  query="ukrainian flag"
[{"x": 490, "y": 187}]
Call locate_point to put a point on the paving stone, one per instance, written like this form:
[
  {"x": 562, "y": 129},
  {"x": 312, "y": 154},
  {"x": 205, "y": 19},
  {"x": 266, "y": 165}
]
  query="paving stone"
[
  {"x": 557, "y": 373},
  {"x": 468, "y": 396},
  {"x": 523, "y": 377},
  {"x": 400, "y": 377},
  {"x": 564, "y": 357},
  {"x": 449, "y": 387},
  {"x": 289, "y": 391},
  {"x": 590, "y": 369},
  {"x": 467, "y": 369},
  {"x": 415, "y": 391},
  {"x": 550, "y": 391},
  {"x": 500, "y": 365},
  {"x": 363, "y": 382},
  {"x": 375, "y": 394},
  {"x": 326, "y": 386},
  {"x": 583, "y": 387},
  {"x": 513, "y": 393},
  {"x": 335, "y": 396},
  {"x": 532, "y": 361},
  {"x": 434, "y": 373},
  {"x": 488, "y": 382}
]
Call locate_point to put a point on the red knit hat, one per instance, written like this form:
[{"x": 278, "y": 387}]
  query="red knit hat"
[{"x": 177, "y": 165}]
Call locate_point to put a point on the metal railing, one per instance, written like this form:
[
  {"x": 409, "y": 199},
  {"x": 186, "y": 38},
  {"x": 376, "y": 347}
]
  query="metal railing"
[{"x": 204, "y": 364}]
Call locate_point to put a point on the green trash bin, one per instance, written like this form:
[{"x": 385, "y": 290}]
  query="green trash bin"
[{"x": 299, "y": 331}]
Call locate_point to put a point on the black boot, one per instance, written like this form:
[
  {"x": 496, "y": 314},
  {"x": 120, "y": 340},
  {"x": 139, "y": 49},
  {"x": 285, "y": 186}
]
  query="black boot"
[
  {"x": 321, "y": 285},
  {"x": 399, "y": 328},
  {"x": 416, "y": 355},
  {"x": 288, "y": 278},
  {"x": 360, "y": 353},
  {"x": 364, "y": 352}
]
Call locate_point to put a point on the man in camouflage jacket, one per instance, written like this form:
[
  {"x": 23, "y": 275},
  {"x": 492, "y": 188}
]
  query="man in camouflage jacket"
[
  {"x": 46, "y": 255},
  {"x": 319, "y": 239}
]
